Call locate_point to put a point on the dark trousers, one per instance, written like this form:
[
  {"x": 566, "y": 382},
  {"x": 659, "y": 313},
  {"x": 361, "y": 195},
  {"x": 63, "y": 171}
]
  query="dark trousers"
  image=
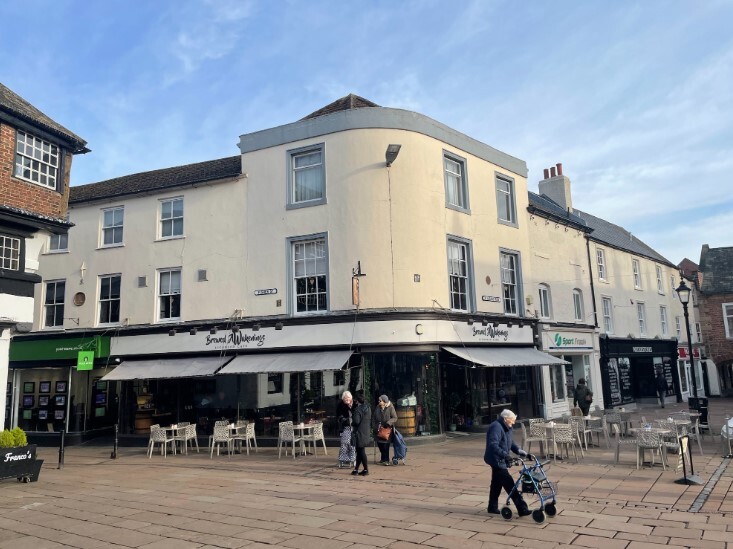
[
  {"x": 383, "y": 451},
  {"x": 501, "y": 478},
  {"x": 361, "y": 459},
  {"x": 662, "y": 394}
]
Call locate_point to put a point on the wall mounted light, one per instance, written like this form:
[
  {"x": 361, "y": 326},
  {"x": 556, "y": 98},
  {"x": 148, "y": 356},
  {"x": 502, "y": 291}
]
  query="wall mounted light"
[
  {"x": 470, "y": 322},
  {"x": 193, "y": 331},
  {"x": 171, "y": 333},
  {"x": 279, "y": 326},
  {"x": 235, "y": 329},
  {"x": 391, "y": 153},
  {"x": 213, "y": 330},
  {"x": 496, "y": 324},
  {"x": 485, "y": 322},
  {"x": 255, "y": 327}
]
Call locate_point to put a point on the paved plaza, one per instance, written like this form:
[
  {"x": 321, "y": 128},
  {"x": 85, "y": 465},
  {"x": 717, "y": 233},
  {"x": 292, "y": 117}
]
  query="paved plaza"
[{"x": 437, "y": 500}]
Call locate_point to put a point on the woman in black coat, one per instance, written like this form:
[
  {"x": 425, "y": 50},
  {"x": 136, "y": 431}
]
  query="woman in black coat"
[{"x": 361, "y": 419}]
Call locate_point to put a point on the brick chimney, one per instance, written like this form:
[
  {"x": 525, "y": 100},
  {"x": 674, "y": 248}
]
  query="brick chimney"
[{"x": 557, "y": 187}]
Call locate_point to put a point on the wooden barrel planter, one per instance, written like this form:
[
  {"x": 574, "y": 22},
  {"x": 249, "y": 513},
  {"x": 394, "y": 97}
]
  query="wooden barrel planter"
[{"x": 406, "y": 420}]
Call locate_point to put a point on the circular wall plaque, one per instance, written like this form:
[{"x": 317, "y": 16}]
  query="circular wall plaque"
[
  {"x": 488, "y": 280},
  {"x": 79, "y": 298}
]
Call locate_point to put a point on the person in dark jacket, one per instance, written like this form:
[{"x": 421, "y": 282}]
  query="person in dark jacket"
[
  {"x": 347, "y": 452},
  {"x": 361, "y": 419},
  {"x": 498, "y": 444},
  {"x": 386, "y": 416},
  {"x": 580, "y": 397},
  {"x": 661, "y": 384}
]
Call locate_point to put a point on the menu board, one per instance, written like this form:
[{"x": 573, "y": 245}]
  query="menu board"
[
  {"x": 667, "y": 363},
  {"x": 619, "y": 381}
]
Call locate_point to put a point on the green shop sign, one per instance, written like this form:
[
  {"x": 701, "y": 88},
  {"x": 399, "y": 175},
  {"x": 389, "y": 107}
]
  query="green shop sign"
[{"x": 58, "y": 349}]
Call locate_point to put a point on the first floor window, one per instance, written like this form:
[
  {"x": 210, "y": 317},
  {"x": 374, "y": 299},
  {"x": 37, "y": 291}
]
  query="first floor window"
[
  {"x": 310, "y": 275},
  {"x": 698, "y": 332},
  {"x": 557, "y": 382},
  {"x": 663, "y": 319},
  {"x": 510, "y": 282},
  {"x": 545, "y": 301},
  {"x": 607, "y": 315},
  {"x": 112, "y": 226},
  {"x": 505, "y": 200},
  {"x": 660, "y": 281},
  {"x": 109, "y": 299},
  {"x": 678, "y": 327},
  {"x": 171, "y": 218},
  {"x": 578, "y": 304},
  {"x": 458, "y": 273},
  {"x": 169, "y": 294},
  {"x": 307, "y": 176},
  {"x": 682, "y": 369},
  {"x": 59, "y": 243},
  {"x": 641, "y": 315},
  {"x": 9, "y": 253},
  {"x": 601, "y": 261},
  {"x": 637, "y": 273},
  {"x": 36, "y": 160},
  {"x": 456, "y": 191},
  {"x": 54, "y": 303}
]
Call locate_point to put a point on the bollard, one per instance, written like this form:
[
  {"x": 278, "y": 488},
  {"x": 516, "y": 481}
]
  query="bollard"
[
  {"x": 61, "y": 450},
  {"x": 114, "y": 448}
]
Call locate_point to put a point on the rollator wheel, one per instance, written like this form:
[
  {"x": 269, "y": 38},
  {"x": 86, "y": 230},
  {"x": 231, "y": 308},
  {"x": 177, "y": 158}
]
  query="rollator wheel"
[
  {"x": 550, "y": 510},
  {"x": 506, "y": 512},
  {"x": 538, "y": 516}
]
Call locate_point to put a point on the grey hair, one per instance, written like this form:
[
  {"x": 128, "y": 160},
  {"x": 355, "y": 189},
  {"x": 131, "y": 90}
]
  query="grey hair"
[
  {"x": 346, "y": 394},
  {"x": 508, "y": 414}
]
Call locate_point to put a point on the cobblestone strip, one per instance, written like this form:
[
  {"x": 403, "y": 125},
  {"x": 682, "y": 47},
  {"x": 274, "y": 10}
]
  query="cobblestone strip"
[{"x": 709, "y": 486}]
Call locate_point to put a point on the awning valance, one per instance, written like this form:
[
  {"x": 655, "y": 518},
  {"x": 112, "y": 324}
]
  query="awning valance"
[
  {"x": 287, "y": 362},
  {"x": 167, "y": 368},
  {"x": 496, "y": 357}
]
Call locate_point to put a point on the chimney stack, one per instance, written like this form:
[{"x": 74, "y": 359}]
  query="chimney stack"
[
  {"x": 557, "y": 187},
  {"x": 552, "y": 171},
  {"x": 559, "y": 168},
  {"x": 547, "y": 173}
]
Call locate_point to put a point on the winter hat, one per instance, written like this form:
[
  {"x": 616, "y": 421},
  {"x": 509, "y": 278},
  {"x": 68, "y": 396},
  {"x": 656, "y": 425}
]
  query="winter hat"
[{"x": 384, "y": 398}]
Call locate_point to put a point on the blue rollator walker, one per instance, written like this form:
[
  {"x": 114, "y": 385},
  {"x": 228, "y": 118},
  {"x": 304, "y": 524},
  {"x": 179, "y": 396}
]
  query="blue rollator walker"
[
  {"x": 400, "y": 448},
  {"x": 533, "y": 481}
]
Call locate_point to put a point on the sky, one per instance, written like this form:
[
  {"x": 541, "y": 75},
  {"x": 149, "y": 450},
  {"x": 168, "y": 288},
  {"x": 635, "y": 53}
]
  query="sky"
[{"x": 635, "y": 99}]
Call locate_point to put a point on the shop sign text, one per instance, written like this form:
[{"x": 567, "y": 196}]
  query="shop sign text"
[
  {"x": 641, "y": 349},
  {"x": 490, "y": 332},
  {"x": 561, "y": 341},
  {"x": 238, "y": 339}
]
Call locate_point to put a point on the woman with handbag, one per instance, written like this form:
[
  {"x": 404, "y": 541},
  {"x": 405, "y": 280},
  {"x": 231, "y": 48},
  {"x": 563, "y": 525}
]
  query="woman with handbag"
[
  {"x": 347, "y": 452},
  {"x": 361, "y": 432},
  {"x": 385, "y": 417},
  {"x": 583, "y": 397}
]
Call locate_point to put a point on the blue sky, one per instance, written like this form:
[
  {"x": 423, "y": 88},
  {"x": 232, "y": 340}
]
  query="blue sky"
[{"x": 634, "y": 98}]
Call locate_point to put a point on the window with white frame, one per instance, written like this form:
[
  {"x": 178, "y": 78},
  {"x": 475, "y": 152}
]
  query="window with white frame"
[
  {"x": 557, "y": 382},
  {"x": 510, "y": 282},
  {"x": 637, "y": 273},
  {"x": 660, "y": 280},
  {"x": 601, "y": 261},
  {"x": 698, "y": 332},
  {"x": 54, "y": 303},
  {"x": 607, "y": 306},
  {"x": 505, "y": 205},
  {"x": 307, "y": 176},
  {"x": 171, "y": 217},
  {"x": 672, "y": 286},
  {"x": 169, "y": 294},
  {"x": 310, "y": 275},
  {"x": 9, "y": 252},
  {"x": 109, "y": 298},
  {"x": 459, "y": 275},
  {"x": 545, "y": 301},
  {"x": 112, "y": 225},
  {"x": 663, "y": 319},
  {"x": 678, "y": 327},
  {"x": 728, "y": 319},
  {"x": 58, "y": 243},
  {"x": 456, "y": 188},
  {"x": 578, "y": 304},
  {"x": 641, "y": 316},
  {"x": 36, "y": 160}
]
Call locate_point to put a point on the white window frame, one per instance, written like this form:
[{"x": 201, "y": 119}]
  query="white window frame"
[
  {"x": 511, "y": 280},
  {"x": 109, "y": 300},
  {"x": 58, "y": 243},
  {"x": 170, "y": 290},
  {"x": 54, "y": 303},
  {"x": 545, "y": 297},
  {"x": 728, "y": 319},
  {"x": 678, "y": 327},
  {"x": 578, "y": 308},
  {"x": 698, "y": 332},
  {"x": 505, "y": 197},
  {"x": 309, "y": 262},
  {"x": 663, "y": 320},
  {"x": 460, "y": 275},
  {"x": 557, "y": 382},
  {"x": 641, "y": 317},
  {"x": 169, "y": 221},
  {"x": 601, "y": 263},
  {"x": 10, "y": 252},
  {"x": 672, "y": 286},
  {"x": 636, "y": 268},
  {"x": 36, "y": 160},
  {"x": 461, "y": 187},
  {"x": 113, "y": 227},
  {"x": 315, "y": 167},
  {"x": 660, "y": 280},
  {"x": 607, "y": 310}
]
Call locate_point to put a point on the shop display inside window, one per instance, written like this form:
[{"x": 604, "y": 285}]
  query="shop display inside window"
[
  {"x": 44, "y": 387},
  {"x": 29, "y": 387},
  {"x": 60, "y": 386}
]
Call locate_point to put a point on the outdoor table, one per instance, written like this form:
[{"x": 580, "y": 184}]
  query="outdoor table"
[{"x": 304, "y": 429}]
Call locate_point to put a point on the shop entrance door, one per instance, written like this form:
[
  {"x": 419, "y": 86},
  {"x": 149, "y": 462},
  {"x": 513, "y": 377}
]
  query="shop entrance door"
[{"x": 644, "y": 384}]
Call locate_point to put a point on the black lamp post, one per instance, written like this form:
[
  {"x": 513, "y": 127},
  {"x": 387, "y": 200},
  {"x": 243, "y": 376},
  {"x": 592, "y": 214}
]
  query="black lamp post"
[{"x": 683, "y": 292}]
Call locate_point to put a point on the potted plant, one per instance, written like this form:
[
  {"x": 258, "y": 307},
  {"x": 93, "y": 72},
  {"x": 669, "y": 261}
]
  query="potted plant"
[{"x": 17, "y": 457}]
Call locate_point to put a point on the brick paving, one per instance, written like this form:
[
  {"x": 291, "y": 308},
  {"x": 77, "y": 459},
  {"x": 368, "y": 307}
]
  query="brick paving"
[{"x": 437, "y": 500}]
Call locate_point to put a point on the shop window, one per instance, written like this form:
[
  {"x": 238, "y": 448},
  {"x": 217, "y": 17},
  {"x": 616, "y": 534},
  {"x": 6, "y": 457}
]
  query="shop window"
[
  {"x": 274, "y": 384},
  {"x": 557, "y": 382},
  {"x": 339, "y": 378}
]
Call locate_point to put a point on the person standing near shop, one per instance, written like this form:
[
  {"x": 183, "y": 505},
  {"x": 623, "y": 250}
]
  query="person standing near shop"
[
  {"x": 661, "y": 383},
  {"x": 498, "y": 444},
  {"x": 583, "y": 397},
  {"x": 361, "y": 428},
  {"x": 386, "y": 416},
  {"x": 347, "y": 452}
]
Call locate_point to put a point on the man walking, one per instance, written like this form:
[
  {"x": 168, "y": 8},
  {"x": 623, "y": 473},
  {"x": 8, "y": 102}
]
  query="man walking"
[
  {"x": 498, "y": 443},
  {"x": 661, "y": 383}
]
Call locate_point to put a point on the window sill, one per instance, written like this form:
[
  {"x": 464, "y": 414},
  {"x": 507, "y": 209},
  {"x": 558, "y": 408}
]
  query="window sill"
[
  {"x": 167, "y": 238},
  {"x": 460, "y": 209},
  {"x": 512, "y": 224},
  {"x": 110, "y": 246},
  {"x": 55, "y": 252},
  {"x": 308, "y": 204}
]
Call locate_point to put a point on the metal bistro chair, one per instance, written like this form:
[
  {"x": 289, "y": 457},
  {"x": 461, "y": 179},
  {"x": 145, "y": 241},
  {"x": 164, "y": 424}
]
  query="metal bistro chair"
[
  {"x": 220, "y": 436},
  {"x": 538, "y": 433},
  {"x": 619, "y": 442},
  {"x": 316, "y": 435},
  {"x": 600, "y": 428},
  {"x": 158, "y": 436},
  {"x": 187, "y": 435},
  {"x": 649, "y": 440},
  {"x": 672, "y": 440},
  {"x": 527, "y": 440},
  {"x": 580, "y": 431},
  {"x": 564, "y": 437},
  {"x": 287, "y": 435}
]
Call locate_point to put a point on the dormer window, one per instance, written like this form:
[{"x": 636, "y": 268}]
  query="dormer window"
[{"x": 36, "y": 160}]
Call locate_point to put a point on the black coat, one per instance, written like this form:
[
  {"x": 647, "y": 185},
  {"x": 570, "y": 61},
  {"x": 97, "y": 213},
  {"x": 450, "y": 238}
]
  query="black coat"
[
  {"x": 661, "y": 383},
  {"x": 343, "y": 415},
  {"x": 360, "y": 422}
]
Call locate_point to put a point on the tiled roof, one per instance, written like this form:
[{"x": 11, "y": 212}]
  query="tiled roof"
[
  {"x": 351, "y": 101},
  {"x": 158, "y": 179},
  {"x": 620, "y": 238},
  {"x": 33, "y": 218},
  {"x": 688, "y": 267},
  {"x": 548, "y": 207},
  {"x": 15, "y": 105},
  {"x": 716, "y": 268}
]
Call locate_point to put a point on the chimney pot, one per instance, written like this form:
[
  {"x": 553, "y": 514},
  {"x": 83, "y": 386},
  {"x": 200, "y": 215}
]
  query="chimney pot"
[
  {"x": 547, "y": 173},
  {"x": 552, "y": 171},
  {"x": 559, "y": 168}
]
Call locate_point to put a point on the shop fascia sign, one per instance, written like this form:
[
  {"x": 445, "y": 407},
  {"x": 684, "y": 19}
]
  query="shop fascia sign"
[
  {"x": 58, "y": 349},
  {"x": 564, "y": 340}
]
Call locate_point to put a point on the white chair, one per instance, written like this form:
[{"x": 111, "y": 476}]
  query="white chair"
[
  {"x": 158, "y": 436},
  {"x": 564, "y": 437},
  {"x": 187, "y": 435},
  {"x": 314, "y": 436},
  {"x": 619, "y": 442},
  {"x": 649, "y": 440},
  {"x": 600, "y": 428},
  {"x": 694, "y": 431},
  {"x": 220, "y": 436},
  {"x": 582, "y": 431},
  {"x": 249, "y": 436},
  {"x": 287, "y": 435},
  {"x": 527, "y": 440}
]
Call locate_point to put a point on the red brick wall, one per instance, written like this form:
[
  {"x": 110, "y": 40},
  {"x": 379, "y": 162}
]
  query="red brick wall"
[
  {"x": 719, "y": 347},
  {"x": 22, "y": 194}
]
